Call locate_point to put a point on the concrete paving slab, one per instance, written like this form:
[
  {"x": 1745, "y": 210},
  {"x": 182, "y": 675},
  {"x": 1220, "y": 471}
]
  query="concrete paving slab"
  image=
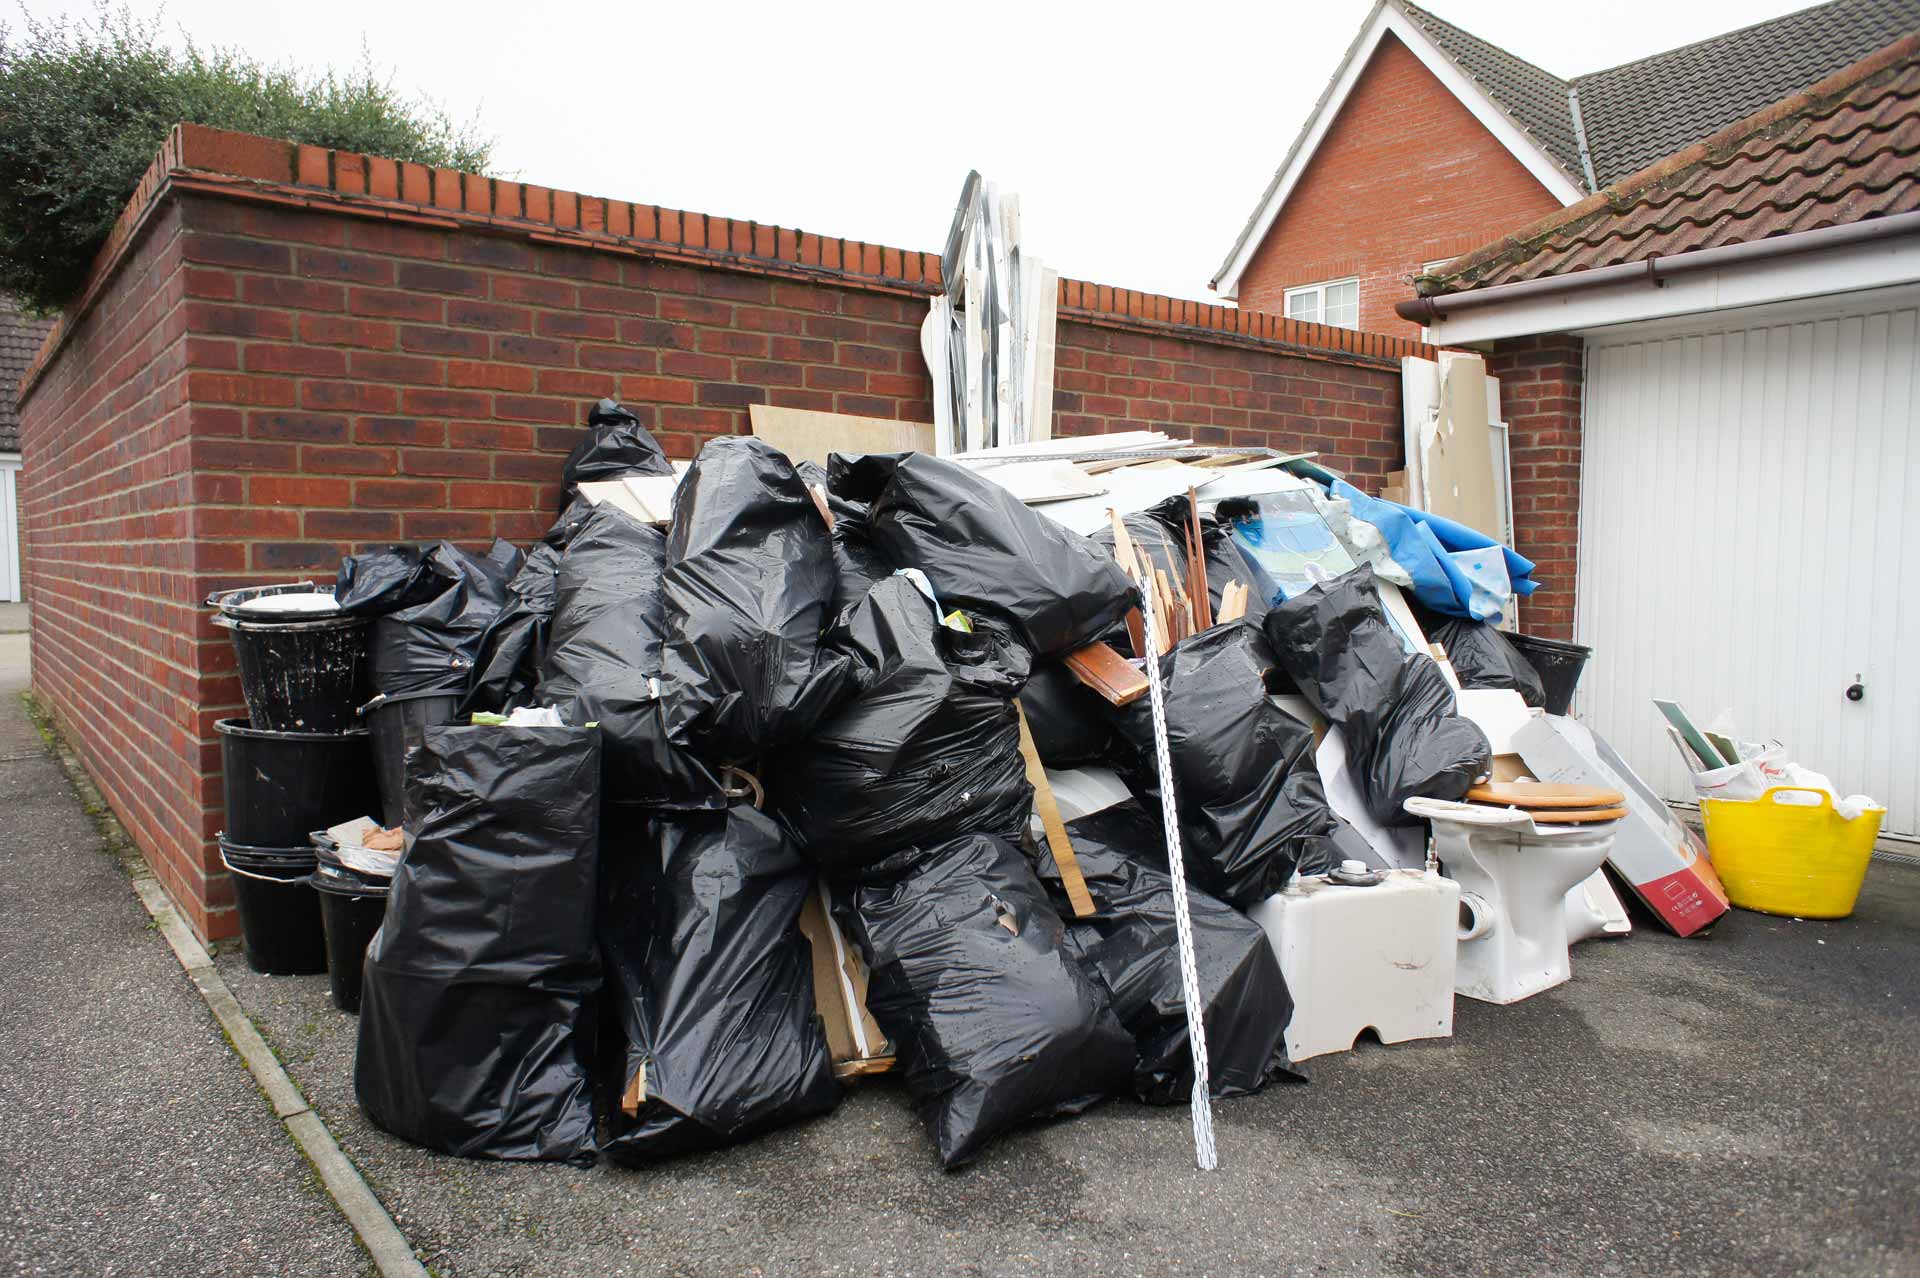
[
  {"x": 1738, "y": 1104},
  {"x": 132, "y": 1141}
]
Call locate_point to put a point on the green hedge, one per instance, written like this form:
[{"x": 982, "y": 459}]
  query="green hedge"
[{"x": 85, "y": 106}]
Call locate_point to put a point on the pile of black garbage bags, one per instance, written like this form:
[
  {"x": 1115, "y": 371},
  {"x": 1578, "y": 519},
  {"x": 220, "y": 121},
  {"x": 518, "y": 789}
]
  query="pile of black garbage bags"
[{"x": 592, "y": 945}]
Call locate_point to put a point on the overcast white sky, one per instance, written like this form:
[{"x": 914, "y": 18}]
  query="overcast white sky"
[{"x": 1138, "y": 136}]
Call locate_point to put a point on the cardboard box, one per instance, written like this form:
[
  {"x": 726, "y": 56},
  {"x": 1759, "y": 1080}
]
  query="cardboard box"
[{"x": 1663, "y": 860}]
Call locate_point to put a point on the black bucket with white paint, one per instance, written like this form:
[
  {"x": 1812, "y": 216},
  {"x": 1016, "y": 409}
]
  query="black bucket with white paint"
[
  {"x": 279, "y": 911},
  {"x": 303, "y": 662},
  {"x": 352, "y": 907},
  {"x": 279, "y": 786},
  {"x": 394, "y": 723}
]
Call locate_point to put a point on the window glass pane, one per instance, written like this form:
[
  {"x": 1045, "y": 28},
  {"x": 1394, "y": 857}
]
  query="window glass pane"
[
  {"x": 1304, "y": 304},
  {"x": 1343, "y": 304}
]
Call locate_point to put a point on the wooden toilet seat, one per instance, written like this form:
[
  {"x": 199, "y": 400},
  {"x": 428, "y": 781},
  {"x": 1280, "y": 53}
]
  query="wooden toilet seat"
[{"x": 1551, "y": 803}]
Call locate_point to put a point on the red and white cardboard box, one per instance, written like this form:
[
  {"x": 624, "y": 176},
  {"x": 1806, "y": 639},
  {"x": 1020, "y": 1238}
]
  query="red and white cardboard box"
[{"x": 1664, "y": 860}]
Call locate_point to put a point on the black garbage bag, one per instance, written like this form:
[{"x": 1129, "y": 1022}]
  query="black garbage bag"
[
  {"x": 603, "y": 660},
  {"x": 434, "y": 642},
  {"x": 1131, "y": 948},
  {"x": 1072, "y": 724},
  {"x": 513, "y": 652},
  {"x": 994, "y": 1021},
  {"x": 506, "y": 666},
  {"x": 714, "y": 983},
  {"x": 1225, "y": 563},
  {"x": 1251, "y": 805},
  {"x": 984, "y": 550},
  {"x": 928, "y": 744},
  {"x": 380, "y": 581},
  {"x": 1404, "y": 735},
  {"x": 478, "y": 1017},
  {"x": 615, "y": 445},
  {"x": 1483, "y": 657},
  {"x": 747, "y": 590},
  {"x": 858, "y": 563}
]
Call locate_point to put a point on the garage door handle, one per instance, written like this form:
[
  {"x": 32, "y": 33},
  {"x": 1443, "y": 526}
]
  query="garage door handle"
[{"x": 1856, "y": 692}]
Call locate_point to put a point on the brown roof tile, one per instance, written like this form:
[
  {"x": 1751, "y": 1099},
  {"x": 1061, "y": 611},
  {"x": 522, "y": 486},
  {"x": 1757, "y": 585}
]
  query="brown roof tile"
[
  {"x": 20, "y": 338},
  {"x": 1844, "y": 150}
]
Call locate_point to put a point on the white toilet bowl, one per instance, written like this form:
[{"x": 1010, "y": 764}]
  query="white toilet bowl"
[{"x": 1514, "y": 876}]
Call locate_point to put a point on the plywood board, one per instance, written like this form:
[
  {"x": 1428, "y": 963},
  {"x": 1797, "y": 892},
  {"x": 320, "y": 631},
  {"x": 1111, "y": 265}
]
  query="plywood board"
[
  {"x": 1108, "y": 673},
  {"x": 805, "y": 435}
]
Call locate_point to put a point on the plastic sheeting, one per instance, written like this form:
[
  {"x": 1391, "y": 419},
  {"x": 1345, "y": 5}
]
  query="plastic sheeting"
[
  {"x": 604, "y": 655},
  {"x": 1130, "y": 947},
  {"x": 747, "y": 591},
  {"x": 713, "y": 982},
  {"x": 928, "y": 744},
  {"x": 615, "y": 445},
  {"x": 1251, "y": 805},
  {"x": 1453, "y": 569},
  {"x": 478, "y": 1019},
  {"x": 1396, "y": 710},
  {"x": 984, "y": 550},
  {"x": 994, "y": 1020}
]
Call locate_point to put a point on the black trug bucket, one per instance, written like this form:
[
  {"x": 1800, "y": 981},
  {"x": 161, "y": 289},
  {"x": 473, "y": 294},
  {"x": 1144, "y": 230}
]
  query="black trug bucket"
[
  {"x": 302, "y": 676},
  {"x": 1558, "y": 664},
  {"x": 279, "y": 786},
  {"x": 352, "y": 907},
  {"x": 395, "y": 723},
  {"x": 279, "y": 910}
]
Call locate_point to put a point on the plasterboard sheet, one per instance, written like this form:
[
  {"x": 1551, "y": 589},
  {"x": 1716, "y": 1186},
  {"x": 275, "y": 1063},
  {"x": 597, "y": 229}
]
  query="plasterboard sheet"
[
  {"x": 1130, "y": 489},
  {"x": 805, "y": 435},
  {"x": 1072, "y": 444},
  {"x": 1457, "y": 466},
  {"x": 1044, "y": 481},
  {"x": 1252, "y": 483}
]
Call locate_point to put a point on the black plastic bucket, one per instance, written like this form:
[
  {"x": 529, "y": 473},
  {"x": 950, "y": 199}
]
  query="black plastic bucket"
[
  {"x": 352, "y": 906},
  {"x": 1558, "y": 664},
  {"x": 301, "y": 676},
  {"x": 394, "y": 723},
  {"x": 279, "y": 786},
  {"x": 279, "y": 910}
]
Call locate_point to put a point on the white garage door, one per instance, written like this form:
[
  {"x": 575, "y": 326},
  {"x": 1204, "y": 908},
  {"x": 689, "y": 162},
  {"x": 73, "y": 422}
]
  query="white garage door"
[{"x": 1750, "y": 537}]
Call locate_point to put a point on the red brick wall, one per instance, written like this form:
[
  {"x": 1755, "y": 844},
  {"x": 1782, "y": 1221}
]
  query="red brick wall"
[
  {"x": 254, "y": 387},
  {"x": 364, "y": 382},
  {"x": 1404, "y": 176},
  {"x": 1540, "y": 380},
  {"x": 108, "y": 493},
  {"x": 1111, "y": 380}
]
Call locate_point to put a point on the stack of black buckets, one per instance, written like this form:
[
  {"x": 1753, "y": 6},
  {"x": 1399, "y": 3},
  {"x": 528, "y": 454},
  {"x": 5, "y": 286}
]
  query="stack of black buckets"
[{"x": 297, "y": 764}]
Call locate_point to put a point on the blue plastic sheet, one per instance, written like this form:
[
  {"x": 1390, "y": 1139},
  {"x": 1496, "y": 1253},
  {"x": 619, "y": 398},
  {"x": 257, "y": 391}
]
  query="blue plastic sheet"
[{"x": 1455, "y": 571}]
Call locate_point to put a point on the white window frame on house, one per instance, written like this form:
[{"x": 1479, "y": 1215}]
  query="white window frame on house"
[{"x": 1319, "y": 294}]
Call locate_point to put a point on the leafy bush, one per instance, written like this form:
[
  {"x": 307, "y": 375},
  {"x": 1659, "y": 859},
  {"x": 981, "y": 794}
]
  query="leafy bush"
[{"x": 84, "y": 107}]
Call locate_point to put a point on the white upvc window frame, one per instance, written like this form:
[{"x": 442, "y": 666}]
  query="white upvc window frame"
[{"x": 1318, "y": 291}]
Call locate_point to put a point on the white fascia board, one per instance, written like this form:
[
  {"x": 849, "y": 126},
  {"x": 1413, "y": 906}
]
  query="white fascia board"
[
  {"x": 1840, "y": 270},
  {"x": 1388, "y": 18}
]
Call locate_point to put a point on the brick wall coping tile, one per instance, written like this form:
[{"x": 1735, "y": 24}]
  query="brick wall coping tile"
[{"x": 243, "y": 166}]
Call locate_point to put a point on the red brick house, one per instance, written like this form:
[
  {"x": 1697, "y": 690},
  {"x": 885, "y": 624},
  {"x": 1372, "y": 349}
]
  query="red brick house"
[{"x": 1431, "y": 141}]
